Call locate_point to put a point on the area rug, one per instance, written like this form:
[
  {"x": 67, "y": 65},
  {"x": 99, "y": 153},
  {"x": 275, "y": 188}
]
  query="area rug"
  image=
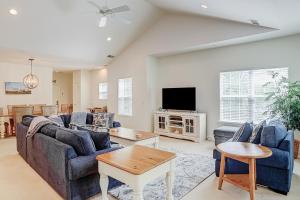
[{"x": 191, "y": 170}]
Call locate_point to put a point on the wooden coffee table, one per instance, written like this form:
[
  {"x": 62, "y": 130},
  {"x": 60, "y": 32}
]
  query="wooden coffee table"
[
  {"x": 136, "y": 166},
  {"x": 128, "y": 137},
  {"x": 246, "y": 153}
]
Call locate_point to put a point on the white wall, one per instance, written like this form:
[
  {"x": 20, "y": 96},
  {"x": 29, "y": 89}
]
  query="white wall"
[
  {"x": 96, "y": 77},
  {"x": 63, "y": 88},
  {"x": 81, "y": 90},
  {"x": 171, "y": 33},
  {"x": 15, "y": 73},
  {"x": 201, "y": 69}
]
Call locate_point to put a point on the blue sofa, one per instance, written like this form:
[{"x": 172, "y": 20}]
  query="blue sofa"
[
  {"x": 274, "y": 172},
  {"x": 73, "y": 176}
]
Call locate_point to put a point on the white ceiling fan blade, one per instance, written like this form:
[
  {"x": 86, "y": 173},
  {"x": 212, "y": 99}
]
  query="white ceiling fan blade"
[
  {"x": 103, "y": 22},
  {"x": 120, "y": 9}
]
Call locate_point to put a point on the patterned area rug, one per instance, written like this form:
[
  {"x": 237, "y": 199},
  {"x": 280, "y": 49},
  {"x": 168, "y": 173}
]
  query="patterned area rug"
[{"x": 191, "y": 170}]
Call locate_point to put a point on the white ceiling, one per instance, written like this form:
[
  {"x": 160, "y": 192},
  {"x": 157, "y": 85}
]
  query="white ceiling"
[
  {"x": 61, "y": 33},
  {"x": 65, "y": 33},
  {"x": 279, "y": 14}
]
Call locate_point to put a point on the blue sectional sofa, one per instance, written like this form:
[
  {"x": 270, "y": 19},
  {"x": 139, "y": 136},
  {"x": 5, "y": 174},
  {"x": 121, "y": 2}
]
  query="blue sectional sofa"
[
  {"x": 70, "y": 172},
  {"x": 274, "y": 172}
]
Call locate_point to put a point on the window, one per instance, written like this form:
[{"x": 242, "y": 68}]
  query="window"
[
  {"x": 103, "y": 91},
  {"x": 125, "y": 96},
  {"x": 243, "y": 94}
]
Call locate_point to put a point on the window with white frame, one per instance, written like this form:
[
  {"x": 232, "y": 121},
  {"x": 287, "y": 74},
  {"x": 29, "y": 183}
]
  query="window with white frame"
[
  {"x": 243, "y": 94},
  {"x": 103, "y": 89},
  {"x": 125, "y": 96}
]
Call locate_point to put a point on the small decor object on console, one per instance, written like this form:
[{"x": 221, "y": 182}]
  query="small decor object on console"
[{"x": 31, "y": 81}]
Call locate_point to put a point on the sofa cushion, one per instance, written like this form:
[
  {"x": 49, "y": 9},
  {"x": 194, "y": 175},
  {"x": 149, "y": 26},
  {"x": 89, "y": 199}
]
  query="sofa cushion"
[
  {"x": 78, "y": 118},
  {"x": 103, "y": 119},
  {"x": 83, "y": 166},
  {"x": 57, "y": 119},
  {"x": 256, "y": 133},
  {"x": 49, "y": 130},
  {"x": 100, "y": 119},
  {"x": 243, "y": 134},
  {"x": 101, "y": 139},
  {"x": 66, "y": 120},
  {"x": 81, "y": 141},
  {"x": 272, "y": 136},
  {"x": 89, "y": 118}
]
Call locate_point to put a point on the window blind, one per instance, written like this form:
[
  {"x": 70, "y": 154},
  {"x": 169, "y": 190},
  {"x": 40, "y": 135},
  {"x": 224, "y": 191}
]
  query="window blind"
[
  {"x": 243, "y": 94},
  {"x": 103, "y": 89},
  {"x": 125, "y": 96}
]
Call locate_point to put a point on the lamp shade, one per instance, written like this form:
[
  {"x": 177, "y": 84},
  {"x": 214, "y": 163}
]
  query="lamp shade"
[{"x": 31, "y": 81}]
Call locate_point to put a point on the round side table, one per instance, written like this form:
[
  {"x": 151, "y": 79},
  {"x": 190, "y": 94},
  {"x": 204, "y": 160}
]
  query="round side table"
[{"x": 246, "y": 153}]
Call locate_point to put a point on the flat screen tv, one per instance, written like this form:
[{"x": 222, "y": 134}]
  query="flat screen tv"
[{"x": 179, "y": 98}]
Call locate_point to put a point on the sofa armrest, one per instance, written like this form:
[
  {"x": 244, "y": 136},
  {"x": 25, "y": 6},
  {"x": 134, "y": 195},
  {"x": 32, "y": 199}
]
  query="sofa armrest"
[
  {"x": 85, "y": 165},
  {"x": 280, "y": 159},
  {"x": 288, "y": 143}
]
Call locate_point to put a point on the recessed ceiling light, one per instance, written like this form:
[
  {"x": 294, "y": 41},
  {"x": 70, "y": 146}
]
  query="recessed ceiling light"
[
  {"x": 108, "y": 39},
  {"x": 204, "y": 6},
  {"x": 13, "y": 11}
]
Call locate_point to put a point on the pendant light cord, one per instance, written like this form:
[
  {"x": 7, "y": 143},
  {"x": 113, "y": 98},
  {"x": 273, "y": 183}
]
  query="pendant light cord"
[{"x": 31, "y": 60}]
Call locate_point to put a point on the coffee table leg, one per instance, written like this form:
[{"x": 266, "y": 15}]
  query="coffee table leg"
[
  {"x": 138, "y": 193},
  {"x": 221, "y": 174},
  {"x": 155, "y": 145},
  {"x": 252, "y": 178},
  {"x": 104, "y": 185},
  {"x": 170, "y": 181}
]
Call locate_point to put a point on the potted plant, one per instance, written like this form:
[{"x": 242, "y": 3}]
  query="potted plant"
[{"x": 285, "y": 102}]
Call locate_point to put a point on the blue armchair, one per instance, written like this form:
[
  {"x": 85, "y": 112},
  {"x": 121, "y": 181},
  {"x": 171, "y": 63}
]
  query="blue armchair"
[{"x": 274, "y": 172}]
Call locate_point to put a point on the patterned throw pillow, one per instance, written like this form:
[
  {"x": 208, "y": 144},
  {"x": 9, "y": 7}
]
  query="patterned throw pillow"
[
  {"x": 243, "y": 134},
  {"x": 256, "y": 133},
  {"x": 101, "y": 119}
]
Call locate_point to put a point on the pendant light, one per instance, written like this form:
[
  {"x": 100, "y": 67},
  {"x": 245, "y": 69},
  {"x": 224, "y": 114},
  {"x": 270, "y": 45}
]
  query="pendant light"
[{"x": 31, "y": 81}]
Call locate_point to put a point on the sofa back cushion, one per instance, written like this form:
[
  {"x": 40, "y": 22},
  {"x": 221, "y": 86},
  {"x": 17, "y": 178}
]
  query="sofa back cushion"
[
  {"x": 244, "y": 133},
  {"x": 89, "y": 118},
  {"x": 272, "y": 136},
  {"x": 66, "y": 120},
  {"x": 81, "y": 141},
  {"x": 103, "y": 119},
  {"x": 101, "y": 140},
  {"x": 26, "y": 121},
  {"x": 49, "y": 130},
  {"x": 78, "y": 118},
  {"x": 256, "y": 133}
]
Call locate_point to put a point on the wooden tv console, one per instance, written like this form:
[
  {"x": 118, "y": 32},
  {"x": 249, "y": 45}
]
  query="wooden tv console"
[{"x": 182, "y": 125}]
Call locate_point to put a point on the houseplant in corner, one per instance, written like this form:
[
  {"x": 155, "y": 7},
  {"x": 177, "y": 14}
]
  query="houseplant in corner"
[{"x": 285, "y": 102}]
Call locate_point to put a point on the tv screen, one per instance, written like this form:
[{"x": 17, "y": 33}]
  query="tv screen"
[{"x": 179, "y": 98}]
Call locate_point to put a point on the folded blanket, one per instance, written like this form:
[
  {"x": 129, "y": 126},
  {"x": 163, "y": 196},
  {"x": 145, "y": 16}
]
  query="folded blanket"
[
  {"x": 78, "y": 118},
  {"x": 37, "y": 123}
]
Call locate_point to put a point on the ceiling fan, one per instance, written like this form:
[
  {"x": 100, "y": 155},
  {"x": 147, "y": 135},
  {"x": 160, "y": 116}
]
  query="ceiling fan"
[{"x": 105, "y": 11}]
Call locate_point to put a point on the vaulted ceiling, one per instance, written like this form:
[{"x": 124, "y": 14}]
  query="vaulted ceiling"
[
  {"x": 277, "y": 14},
  {"x": 65, "y": 33}
]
